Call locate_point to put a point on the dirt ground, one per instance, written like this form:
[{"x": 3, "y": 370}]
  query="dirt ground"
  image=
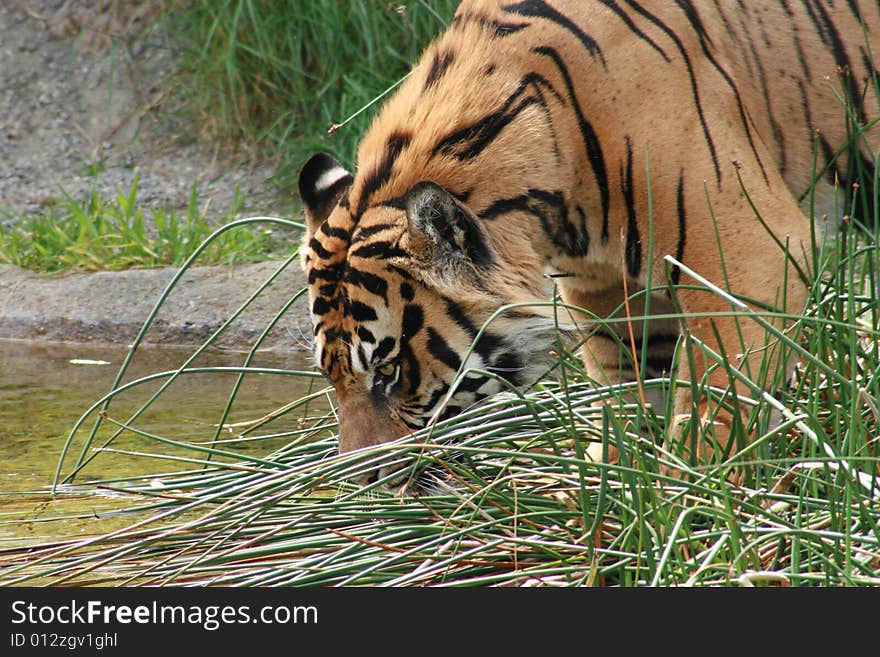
[{"x": 78, "y": 109}]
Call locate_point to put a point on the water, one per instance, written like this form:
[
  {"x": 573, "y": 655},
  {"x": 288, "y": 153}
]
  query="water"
[{"x": 45, "y": 388}]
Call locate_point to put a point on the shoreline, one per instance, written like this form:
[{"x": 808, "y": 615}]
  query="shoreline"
[{"x": 111, "y": 307}]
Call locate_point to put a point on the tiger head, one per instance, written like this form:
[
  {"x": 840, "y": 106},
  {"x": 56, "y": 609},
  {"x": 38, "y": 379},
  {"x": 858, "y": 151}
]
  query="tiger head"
[{"x": 400, "y": 286}]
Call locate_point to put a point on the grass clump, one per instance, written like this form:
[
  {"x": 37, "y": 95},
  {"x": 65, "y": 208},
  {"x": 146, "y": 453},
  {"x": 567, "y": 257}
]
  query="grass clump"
[
  {"x": 506, "y": 501},
  {"x": 277, "y": 75},
  {"x": 114, "y": 234},
  {"x": 503, "y": 494}
]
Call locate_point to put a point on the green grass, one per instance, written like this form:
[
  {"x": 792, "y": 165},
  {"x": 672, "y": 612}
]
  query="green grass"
[
  {"x": 116, "y": 233},
  {"x": 503, "y": 494},
  {"x": 277, "y": 75},
  {"x": 263, "y": 77}
]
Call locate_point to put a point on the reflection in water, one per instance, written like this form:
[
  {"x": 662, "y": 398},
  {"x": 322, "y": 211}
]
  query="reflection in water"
[{"x": 43, "y": 393}]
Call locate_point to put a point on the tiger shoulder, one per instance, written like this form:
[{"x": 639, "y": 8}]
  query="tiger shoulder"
[{"x": 582, "y": 149}]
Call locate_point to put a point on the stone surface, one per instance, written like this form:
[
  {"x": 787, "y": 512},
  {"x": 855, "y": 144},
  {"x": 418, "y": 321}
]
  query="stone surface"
[
  {"x": 79, "y": 111},
  {"x": 111, "y": 307}
]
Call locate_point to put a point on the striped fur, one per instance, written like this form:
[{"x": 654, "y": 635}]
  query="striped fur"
[{"x": 521, "y": 146}]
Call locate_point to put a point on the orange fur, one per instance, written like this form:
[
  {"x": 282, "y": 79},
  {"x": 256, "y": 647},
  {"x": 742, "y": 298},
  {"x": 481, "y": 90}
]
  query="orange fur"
[{"x": 542, "y": 121}]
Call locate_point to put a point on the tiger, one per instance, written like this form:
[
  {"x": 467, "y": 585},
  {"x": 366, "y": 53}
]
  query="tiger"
[{"x": 563, "y": 150}]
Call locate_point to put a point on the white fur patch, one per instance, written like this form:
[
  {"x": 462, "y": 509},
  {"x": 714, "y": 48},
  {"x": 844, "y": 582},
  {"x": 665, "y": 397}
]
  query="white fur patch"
[{"x": 330, "y": 178}]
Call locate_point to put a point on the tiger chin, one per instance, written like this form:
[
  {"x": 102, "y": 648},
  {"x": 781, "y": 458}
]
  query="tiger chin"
[{"x": 568, "y": 147}]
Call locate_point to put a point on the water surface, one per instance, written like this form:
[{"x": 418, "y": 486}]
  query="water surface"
[{"x": 45, "y": 388}]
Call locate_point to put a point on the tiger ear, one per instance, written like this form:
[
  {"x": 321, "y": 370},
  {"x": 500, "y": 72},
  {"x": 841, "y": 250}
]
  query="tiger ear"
[
  {"x": 322, "y": 181},
  {"x": 442, "y": 232}
]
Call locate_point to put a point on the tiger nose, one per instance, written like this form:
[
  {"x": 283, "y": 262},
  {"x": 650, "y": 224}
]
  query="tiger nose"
[
  {"x": 370, "y": 478},
  {"x": 393, "y": 475}
]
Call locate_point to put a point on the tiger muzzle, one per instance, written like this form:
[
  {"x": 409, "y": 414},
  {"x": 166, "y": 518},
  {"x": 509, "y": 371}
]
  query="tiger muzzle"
[{"x": 363, "y": 423}]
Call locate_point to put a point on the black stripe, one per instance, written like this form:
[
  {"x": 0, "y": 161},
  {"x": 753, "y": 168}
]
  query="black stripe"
[
  {"x": 540, "y": 9},
  {"x": 588, "y": 135},
  {"x": 731, "y": 33},
  {"x": 368, "y": 231},
  {"x": 870, "y": 69},
  {"x": 705, "y": 41},
  {"x": 830, "y": 37},
  {"x": 433, "y": 400},
  {"x": 582, "y": 231},
  {"x": 693, "y": 80},
  {"x": 334, "y": 231},
  {"x": 411, "y": 370},
  {"x": 440, "y": 349},
  {"x": 661, "y": 349},
  {"x": 854, "y": 9},
  {"x": 323, "y": 274},
  {"x": 551, "y": 210},
  {"x": 414, "y": 426},
  {"x": 658, "y": 364},
  {"x": 439, "y": 64},
  {"x": 398, "y": 203},
  {"x": 474, "y": 138},
  {"x": 508, "y": 364},
  {"x": 365, "y": 335},
  {"x": 328, "y": 360},
  {"x": 505, "y": 205},
  {"x": 813, "y": 135},
  {"x": 657, "y": 341},
  {"x": 795, "y": 28},
  {"x": 380, "y": 175},
  {"x": 412, "y": 323},
  {"x": 744, "y": 20},
  {"x": 370, "y": 282},
  {"x": 362, "y": 357},
  {"x": 774, "y": 126},
  {"x": 605, "y": 332},
  {"x": 406, "y": 291},
  {"x": 488, "y": 342},
  {"x": 462, "y": 197},
  {"x": 633, "y": 240},
  {"x": 379, "y": 249},
  {"x": 321, "y": 306},
  {"x": 613, "y": 6},
  {"x": 468, "y": 142},
  {"x": 500, "y": 28},
  {"x": 384, "y": 348},
  {"x": 360, "y": 311},
  {"x": 682, "y": 229},
  {"x": 400, "y": 271},
  {"x": 332, "y": 335},
  {"x": 472, "y": 384},
  {"x": 458, "y": 316},
  {"x": 319, "y": 249}
]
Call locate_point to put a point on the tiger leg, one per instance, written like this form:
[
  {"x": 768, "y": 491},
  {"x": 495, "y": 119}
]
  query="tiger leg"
[
  {"x": 709, "y": 421},
  {"x": 707, "y": 428},
  {"x": 607, "y": 353}
]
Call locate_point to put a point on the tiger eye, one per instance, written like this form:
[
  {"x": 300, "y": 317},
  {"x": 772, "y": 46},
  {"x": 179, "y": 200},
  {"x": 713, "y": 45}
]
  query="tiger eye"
[{"x": 387, "y": 369}]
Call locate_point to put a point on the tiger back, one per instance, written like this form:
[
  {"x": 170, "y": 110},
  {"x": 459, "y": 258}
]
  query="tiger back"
[{"x": 568, "y": 147}]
